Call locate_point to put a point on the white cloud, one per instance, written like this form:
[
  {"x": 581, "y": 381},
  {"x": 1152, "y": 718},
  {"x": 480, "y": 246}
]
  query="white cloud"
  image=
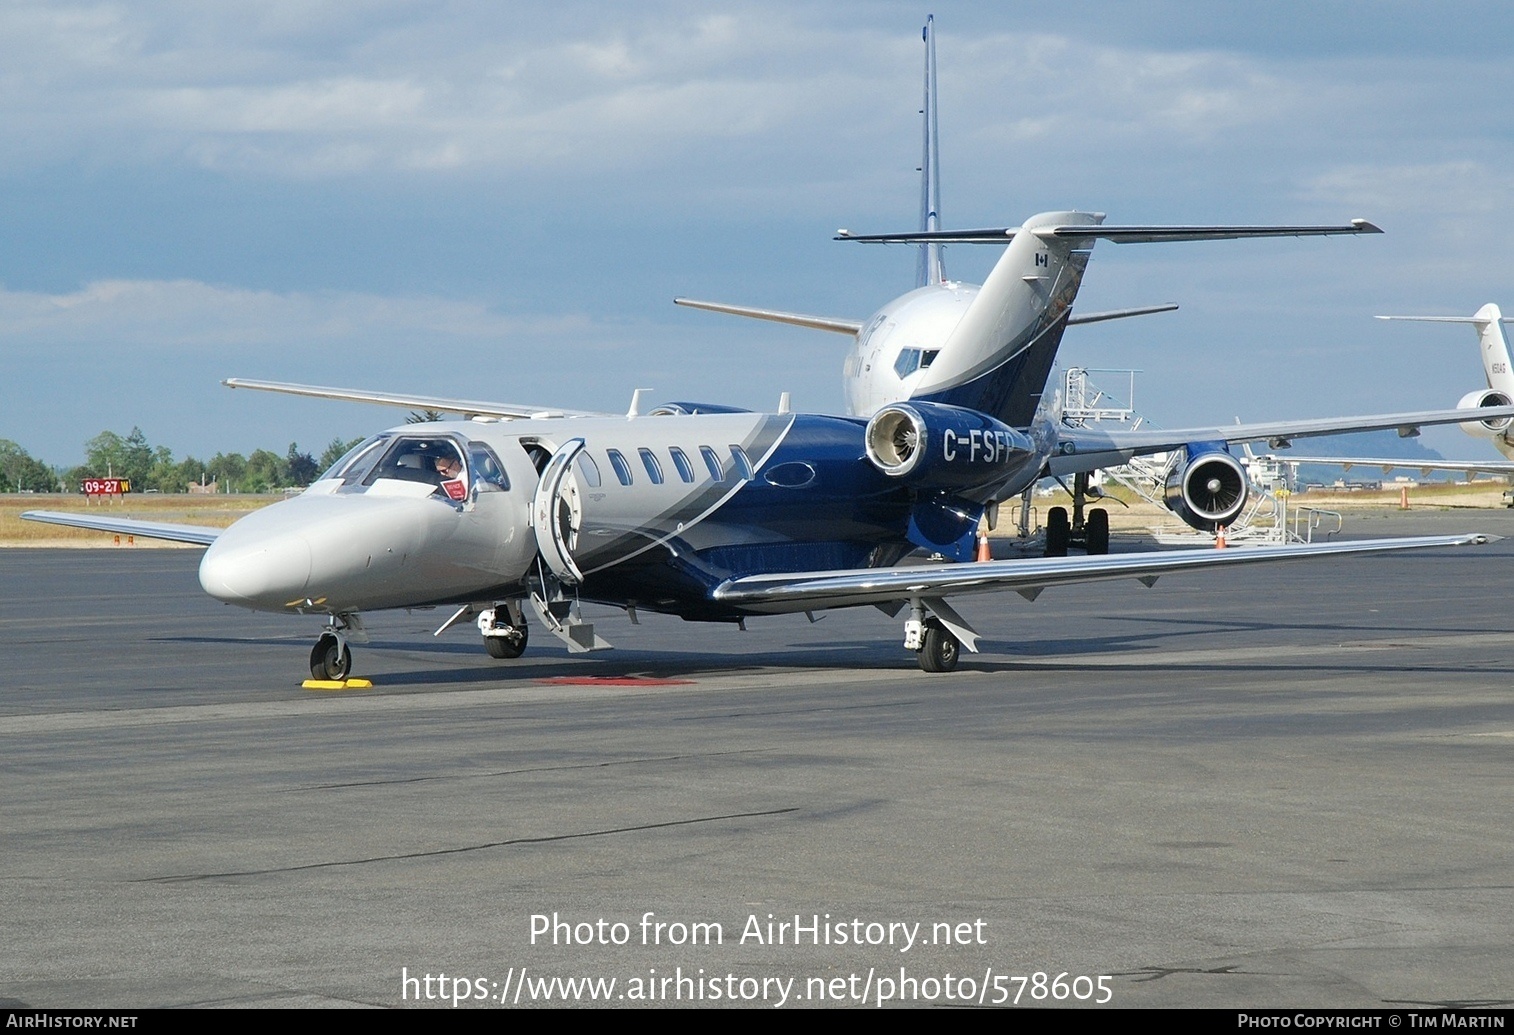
[{"x": 161, "y": 317}]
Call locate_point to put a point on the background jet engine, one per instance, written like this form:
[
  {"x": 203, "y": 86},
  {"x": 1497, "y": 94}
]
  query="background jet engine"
[
  {"x": 1207, "y": 487},
  {"x": 1485, "y": 428},
  {"x": 935, "y": 446}
]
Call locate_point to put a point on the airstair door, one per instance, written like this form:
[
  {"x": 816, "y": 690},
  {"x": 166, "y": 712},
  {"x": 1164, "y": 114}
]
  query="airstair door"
[{"x": 557, "y": 512}]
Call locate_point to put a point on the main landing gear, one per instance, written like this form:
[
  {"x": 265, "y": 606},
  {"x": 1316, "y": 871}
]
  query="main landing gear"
[
  {"x": 1091, "y": 533},
  {"x": 504, "y": 631},
  {"x": 936, "y": 647},
  {"x": 939, "y": 649}
]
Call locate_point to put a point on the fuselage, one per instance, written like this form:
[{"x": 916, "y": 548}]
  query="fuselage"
[{"x": 653, "y": 511}]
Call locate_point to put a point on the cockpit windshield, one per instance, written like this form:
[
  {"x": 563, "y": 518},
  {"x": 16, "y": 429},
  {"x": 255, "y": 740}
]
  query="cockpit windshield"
[
  {"x": 430, "y": 461},
  {"x": 357, "y": 461}
]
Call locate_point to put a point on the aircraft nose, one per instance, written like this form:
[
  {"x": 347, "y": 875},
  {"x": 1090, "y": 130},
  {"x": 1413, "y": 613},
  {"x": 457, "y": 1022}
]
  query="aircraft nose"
[{"x": 268, "y": 572}]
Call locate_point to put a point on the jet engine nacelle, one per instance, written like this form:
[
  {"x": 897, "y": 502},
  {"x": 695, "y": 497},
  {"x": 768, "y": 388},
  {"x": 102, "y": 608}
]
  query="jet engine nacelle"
[
  {"x": 1485, "y": 428},
  {"x": 935, "y": 446},
  {"x": 1207, "y": 488}
]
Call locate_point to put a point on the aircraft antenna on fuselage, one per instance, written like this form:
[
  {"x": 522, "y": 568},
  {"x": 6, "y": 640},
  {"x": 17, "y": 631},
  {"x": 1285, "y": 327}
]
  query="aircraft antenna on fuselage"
[{"x": 929, "y": 268}]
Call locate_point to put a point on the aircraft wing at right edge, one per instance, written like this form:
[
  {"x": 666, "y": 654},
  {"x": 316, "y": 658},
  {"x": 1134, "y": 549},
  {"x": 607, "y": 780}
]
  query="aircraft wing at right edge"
[
  {"x": 929, "y": 583},
  {"x": 1386, "y": 464},
  {"x": 1087, "y": 449}
]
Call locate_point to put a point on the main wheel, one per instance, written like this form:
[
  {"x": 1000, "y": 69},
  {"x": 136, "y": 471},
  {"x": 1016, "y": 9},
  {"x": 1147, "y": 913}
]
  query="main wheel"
[
  {"x": 330, "y": 659},
  {"x": 939, "y": 650},
  {"x": 1096, "y": 531},
  {"x": 1058, "y": 531},
  {"x": 507, "y": 647}
]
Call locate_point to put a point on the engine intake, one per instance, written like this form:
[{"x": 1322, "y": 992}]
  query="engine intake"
[
  {"x": 1208, "y": 488},
  {"x": 935, "y": 446},
  {"x": 1478, "y": 400}
]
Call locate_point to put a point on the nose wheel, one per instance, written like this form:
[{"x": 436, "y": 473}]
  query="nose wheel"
[{"x": 330, "y": 658}]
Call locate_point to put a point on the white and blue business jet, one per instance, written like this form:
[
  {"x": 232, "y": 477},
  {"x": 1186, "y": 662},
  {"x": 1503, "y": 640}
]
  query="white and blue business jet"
[{"x": 716, "y": 514}]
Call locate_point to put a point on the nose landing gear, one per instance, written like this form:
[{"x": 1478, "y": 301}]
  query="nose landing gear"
[{"x": 330, "y": 658}]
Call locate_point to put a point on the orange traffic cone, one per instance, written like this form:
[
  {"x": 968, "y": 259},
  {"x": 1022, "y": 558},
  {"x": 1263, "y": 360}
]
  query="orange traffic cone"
[
  {"x": 1219, "y": 538},
  {"x": 984, "y": 553}
]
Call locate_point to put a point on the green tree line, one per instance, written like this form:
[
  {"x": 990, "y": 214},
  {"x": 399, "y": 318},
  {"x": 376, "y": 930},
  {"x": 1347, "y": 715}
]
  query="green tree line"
[{"x": 109, "y": 454}]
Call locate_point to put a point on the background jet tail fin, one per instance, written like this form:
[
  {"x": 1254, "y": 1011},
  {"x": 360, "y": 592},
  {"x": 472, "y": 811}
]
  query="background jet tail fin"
[
  {"x": 929, "y": 269},
  {"x": 1493, "y": 344}
]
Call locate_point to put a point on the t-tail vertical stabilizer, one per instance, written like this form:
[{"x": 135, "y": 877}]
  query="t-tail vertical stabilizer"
[
  {"x": 1494, "y": 348},
  {"x": 998, "y": 357}
]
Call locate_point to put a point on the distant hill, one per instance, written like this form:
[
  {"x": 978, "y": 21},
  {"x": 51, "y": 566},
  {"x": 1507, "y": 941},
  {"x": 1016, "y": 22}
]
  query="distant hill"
[{"x": 1385, "y": 444}]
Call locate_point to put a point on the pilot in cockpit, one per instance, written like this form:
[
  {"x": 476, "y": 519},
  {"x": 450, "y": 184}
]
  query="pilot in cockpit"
[{"x": 449, "y": 466}]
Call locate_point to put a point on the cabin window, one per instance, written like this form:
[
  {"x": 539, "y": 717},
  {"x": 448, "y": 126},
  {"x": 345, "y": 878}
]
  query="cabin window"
[
  {"x": 622, "y": 469},
  {"x": 654, "y": 469},
  {"x": 743, "y": 465},
  {"x": 712, "y": 462},
  {"x": 589, "y": 469},
  {"x": 681, "y": 461}
]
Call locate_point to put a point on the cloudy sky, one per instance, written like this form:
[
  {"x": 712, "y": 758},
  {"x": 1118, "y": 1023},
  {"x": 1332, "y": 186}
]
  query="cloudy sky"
[{"x": 500, "y": 201}]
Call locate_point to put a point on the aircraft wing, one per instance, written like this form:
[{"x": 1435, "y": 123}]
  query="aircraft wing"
[
  {"x": 1388, "y": 463},
  {"x": 1117, "y": 234},
  {"x": 1087, "y": 449},
  {"x": 200, "y": 535},
  {"x": 466, "y": 407},
  {"x": 820, "y": 323},
  {"x": 816, "y": 590}
]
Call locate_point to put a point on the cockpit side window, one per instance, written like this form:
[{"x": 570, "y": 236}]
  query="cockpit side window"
[
  {"x": 433, "y": 461},
  {"x": 488, "y": 473}
]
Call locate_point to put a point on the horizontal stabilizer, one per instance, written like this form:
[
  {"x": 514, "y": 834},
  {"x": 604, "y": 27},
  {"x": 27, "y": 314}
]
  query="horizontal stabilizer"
[
  {"x": 1118, "y": 234},
  {"x": 1119, "y": 314},
  {"x": 782, "y": 593},
  {"x": 466, "y": 407},
  {"x": 1448, "y": 319},
  {"x": 819, "y": 323},
  {"x": 199, "y": 535}
]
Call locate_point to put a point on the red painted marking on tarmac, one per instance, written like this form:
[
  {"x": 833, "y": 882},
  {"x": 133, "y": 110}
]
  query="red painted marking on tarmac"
[{"x": 613, "y": 681}]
